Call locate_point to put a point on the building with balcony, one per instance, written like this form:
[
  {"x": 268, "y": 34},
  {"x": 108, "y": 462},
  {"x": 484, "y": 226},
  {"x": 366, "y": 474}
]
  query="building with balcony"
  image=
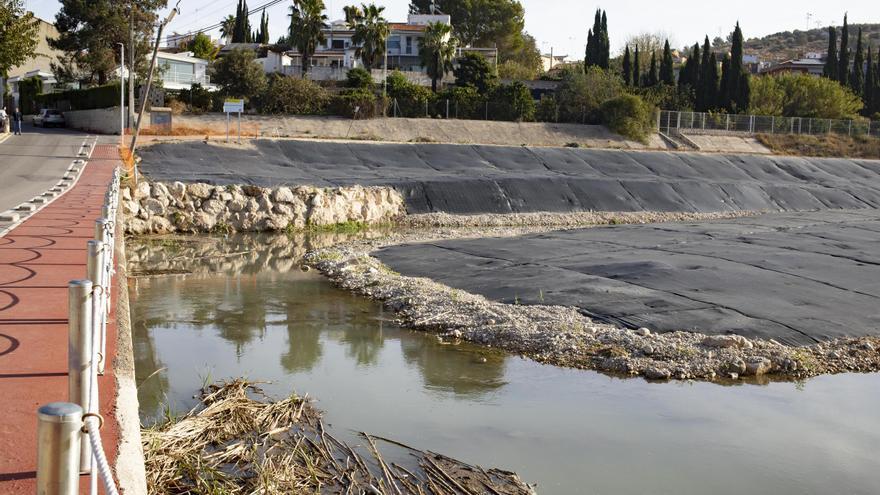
[
  {"x": 811, "y": 66},
  {"x": 338, "y": 54},
  {"x": 182, "y": 70}
]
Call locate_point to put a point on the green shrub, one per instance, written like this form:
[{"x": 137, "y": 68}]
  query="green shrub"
[
  {"x": 359, "y": 78},
  {"x": 355, "y": 103},
  {"x": 411, "y": 98},
  {"x": 197, "y": 98},
  {"x": 801, "y": 95},
  {"x": 581, "y": 94},
  {"x": 464, "y": 102},
  {"x": 548, "y": 109},
  {"x": 239, "y": 75},
  {"x": 475, "y": 71},
  {"x": 512, "y": 102},
  {"x": 629, "y": 116},
  {"x": 82, "y": 99},
  {"x": 292, "y": 95}
]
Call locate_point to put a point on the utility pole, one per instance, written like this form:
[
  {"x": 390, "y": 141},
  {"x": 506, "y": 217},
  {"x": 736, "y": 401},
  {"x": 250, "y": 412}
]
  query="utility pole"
[
  {"x": 131, "y": 64},
  {"x": 809, "y": 18},
  {"x": 137, "y": 128}
]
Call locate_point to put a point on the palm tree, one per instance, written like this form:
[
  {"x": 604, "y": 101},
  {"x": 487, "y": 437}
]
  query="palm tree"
[
  {"x": 307, "y": 22},
  {"x": 370, "y": 32},
  {"x": 227, "y": 26},
  {"x": 437, "y": 51}
]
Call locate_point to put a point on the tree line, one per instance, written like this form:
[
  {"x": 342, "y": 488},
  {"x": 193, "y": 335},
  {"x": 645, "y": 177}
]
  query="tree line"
[{"x": 853, "y": 68}]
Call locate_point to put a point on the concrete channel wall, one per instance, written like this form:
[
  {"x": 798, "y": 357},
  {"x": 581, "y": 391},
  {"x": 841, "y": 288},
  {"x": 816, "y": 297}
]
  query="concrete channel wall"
[{"x": 474, "y": 179}]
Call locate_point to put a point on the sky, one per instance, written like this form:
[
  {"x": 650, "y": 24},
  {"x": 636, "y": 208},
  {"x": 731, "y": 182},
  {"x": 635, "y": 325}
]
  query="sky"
[{"x": 562, "y": 24}]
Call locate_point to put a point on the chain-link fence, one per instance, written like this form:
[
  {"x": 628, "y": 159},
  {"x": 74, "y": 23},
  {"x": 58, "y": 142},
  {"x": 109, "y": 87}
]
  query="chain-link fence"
[{"x": 708, "y": 123}]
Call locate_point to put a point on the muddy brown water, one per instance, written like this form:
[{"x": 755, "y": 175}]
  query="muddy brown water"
[{"x": 256, "y": 315}]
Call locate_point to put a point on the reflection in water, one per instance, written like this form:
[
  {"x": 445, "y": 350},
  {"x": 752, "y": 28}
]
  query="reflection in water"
[{"x": 250, "y": 312}]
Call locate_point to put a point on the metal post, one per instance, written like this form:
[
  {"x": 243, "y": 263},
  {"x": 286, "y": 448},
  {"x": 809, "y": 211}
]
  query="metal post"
[
  {"x": 227, "y": 127},
  {"x": 79, "y": 355},
  {"x": 727, "y": 125},
  {"x": 850, "y": 128},
  {"x": 239, "y": 127},
  {"x": 447, "y": 109},
  {"x": 58, "y": 448},
  {"x": 678, "y": 121},
  {"x": 95, "y": 273}
]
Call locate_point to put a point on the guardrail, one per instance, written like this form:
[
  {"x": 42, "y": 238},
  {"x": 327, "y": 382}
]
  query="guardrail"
[
  {"x": 709, "y": 123},
  {"x": 68, "y": 433}
]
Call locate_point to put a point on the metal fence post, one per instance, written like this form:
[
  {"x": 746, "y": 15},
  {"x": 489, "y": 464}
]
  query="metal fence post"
[
  {"x": 850, "y": 128},
  {"x": 79, "y": 354},
  {"x": 58, "y": 448},
  {"x": 447, "y": 109},
  {"x": 678, "y": 121},
  {"x": 95, "y": 273}
]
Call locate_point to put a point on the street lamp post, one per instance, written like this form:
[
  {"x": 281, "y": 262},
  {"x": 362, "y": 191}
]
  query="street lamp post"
[{"x": 121, "y": 93}]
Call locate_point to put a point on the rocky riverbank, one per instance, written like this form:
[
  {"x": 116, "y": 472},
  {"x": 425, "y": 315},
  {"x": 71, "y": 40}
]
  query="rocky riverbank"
[
  {"x": 159, "y": 208},
  {"x": 563, "y": 336}
]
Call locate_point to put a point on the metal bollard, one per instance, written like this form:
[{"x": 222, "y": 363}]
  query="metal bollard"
[
  {"x": 79, "y": 355},
  {"x": 95, "y": 273},
  {"x": 58, "y": 448}
]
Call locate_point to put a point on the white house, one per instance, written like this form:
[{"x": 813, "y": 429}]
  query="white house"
[
  {"x": 337, "y": 55},
  {"x": 182, "y": 70}
]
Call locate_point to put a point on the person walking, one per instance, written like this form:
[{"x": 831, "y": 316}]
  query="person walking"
[
  {"x": 16, "y": 121},
  {"x": 3, "y": 120}
]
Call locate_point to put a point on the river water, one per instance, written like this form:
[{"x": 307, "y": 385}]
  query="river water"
[{"x": 250, "y": 312}]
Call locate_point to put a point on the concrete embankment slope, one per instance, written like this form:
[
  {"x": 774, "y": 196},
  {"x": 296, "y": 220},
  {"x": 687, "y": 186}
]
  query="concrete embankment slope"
[{"x": 470, "y": 179}]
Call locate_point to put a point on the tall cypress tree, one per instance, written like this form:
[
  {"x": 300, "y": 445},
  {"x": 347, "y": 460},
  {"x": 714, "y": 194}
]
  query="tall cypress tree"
[
  {"x": 707, "y": 90},
  {"x": 237, "y": 36},
  {"x": 736, "y": 70},
  {"x": 831, "y": 61},
  {"x": 870, "y": 83},
  {"x": 725, "y": 99},
  {"x": 689, "y": 76},
  {"x": 857, "y": 77},
  {"x": 843, "y": 67},
  {"x": 627, "y": 67},
  {"x": 598, "y": 51},
  {"x": 637, "y": 69},
  {"x": 604, "y": 44},
  {"x": 651, "y": 78},
  {"x": 667, "y": 71}
]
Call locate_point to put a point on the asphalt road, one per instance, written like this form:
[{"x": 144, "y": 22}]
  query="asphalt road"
[
  {"x": 34, "y": 162},
  {"x": 472, "y": 179},
  {"x": 798, "y": 278}
]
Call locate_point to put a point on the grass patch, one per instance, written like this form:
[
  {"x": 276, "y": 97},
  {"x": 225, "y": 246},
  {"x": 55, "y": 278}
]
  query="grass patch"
[
  {"x": 350, "y": 227},
  {"x": 825, "y": 145}
]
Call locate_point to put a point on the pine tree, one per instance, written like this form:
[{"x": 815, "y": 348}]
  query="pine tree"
[
  {"x": 627, "y": 67},
  {"x": 857, "y": 78},
  {"x": 637, "y": 69},
  {"x": 667, "y": 71},
  {"x": 831, "y": 61},
  {"x": 843, "y": 67},
  {"x": 651, "y": 78}
]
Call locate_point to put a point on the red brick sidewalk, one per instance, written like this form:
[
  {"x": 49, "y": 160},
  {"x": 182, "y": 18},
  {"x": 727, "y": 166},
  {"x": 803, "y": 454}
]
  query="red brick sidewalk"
[{"x": 37, "y": 259}]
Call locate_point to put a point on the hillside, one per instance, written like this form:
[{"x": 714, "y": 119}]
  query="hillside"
[{"x": 793, "y": 44}]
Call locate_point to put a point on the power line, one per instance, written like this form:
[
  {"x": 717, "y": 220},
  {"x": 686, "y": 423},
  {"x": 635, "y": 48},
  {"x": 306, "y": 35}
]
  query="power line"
[{"x": 259, "y": 8}]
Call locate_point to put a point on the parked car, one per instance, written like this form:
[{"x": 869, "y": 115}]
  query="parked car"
[{"x": 49, "y": 117}]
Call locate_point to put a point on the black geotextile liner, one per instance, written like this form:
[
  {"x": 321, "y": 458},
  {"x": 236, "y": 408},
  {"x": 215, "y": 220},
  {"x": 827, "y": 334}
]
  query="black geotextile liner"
[
  {"x": 794, "y": 277},
  {"x": 503, "y": 179}
]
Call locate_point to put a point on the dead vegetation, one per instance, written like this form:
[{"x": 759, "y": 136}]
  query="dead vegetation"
[
  {"x": 825, "y": 145},
  {"x": 237, "y": 441}
]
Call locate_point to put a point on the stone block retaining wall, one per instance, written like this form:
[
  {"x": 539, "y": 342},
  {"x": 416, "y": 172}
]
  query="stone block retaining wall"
[{"x": 159, "y": 208}]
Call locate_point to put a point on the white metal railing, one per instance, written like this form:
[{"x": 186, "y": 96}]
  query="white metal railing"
[
  {"x": 69, "y": 438},
  {"x": 183, "y": 78},
  {"x": 711, "y": 123}
]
